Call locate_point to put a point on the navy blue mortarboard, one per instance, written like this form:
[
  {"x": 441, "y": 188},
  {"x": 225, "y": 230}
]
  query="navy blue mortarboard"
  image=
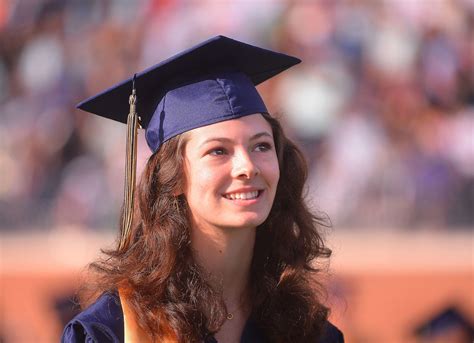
[
  {"x": 211, "y": 82},
  {"x": 445, "y": 321}
]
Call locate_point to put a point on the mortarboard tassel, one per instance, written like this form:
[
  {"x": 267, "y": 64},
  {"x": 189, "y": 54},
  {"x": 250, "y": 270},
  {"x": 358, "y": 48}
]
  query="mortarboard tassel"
[{"x": 130, "y": 171}]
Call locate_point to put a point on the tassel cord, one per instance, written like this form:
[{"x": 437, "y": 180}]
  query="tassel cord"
[{"x": 130, "y": 174}]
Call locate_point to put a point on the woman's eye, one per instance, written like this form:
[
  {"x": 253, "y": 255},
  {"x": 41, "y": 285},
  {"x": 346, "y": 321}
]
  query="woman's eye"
[
  {"x": 262, "y": 147},
  {"x": 217, "y": 152}
]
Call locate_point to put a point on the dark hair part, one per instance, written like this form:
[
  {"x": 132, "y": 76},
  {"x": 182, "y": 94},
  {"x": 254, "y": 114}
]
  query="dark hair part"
[{"x": 170, "y": 293}]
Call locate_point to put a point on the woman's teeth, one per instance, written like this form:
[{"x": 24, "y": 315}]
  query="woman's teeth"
[{"x": 242, "y": 196}]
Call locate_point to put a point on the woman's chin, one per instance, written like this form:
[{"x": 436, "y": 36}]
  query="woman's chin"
[{"x": 250, "y": 222}]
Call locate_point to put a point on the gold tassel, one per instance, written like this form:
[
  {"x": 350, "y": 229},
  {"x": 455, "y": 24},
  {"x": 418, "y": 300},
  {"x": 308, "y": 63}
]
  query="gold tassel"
[{"x": 130, "y": 172}]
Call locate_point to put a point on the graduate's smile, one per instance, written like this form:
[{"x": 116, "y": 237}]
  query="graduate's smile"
[{"x": 243, "y": 194}]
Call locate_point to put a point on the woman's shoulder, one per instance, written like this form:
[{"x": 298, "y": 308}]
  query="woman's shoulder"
[
  {"x": 100, "y": 322},
  {"x": 331, "y": 334},
  {"x": 252, "y": 333}
]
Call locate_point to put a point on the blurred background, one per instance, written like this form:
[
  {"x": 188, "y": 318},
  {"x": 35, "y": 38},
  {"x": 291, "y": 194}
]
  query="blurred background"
[{"x": 382, "y": 106}]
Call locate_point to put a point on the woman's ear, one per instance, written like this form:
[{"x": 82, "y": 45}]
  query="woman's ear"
[
  {"x": 177, "y": 193},
  {"x": 179, "y": 189}
]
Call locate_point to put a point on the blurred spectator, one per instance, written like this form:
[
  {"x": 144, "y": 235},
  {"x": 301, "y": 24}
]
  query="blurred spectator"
[{"x": 383, "y": 104}]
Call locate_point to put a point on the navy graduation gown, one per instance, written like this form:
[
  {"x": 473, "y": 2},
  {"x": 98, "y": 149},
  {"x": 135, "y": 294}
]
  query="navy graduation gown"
[{"x": 102, "y": 322}]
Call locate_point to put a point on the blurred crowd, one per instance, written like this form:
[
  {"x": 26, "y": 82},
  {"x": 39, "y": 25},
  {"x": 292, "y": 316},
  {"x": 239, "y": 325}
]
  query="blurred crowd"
[{"x": 382, "y": 105}]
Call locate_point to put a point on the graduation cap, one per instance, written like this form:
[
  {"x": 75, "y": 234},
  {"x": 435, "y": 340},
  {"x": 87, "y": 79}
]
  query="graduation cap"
[
  {"x": 211, "y": 82},
  {"x": 443, "y": 322}
]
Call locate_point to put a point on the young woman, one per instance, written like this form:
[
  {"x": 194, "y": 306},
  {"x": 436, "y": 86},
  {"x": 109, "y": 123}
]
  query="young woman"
[{"x": 221, "y": 246}]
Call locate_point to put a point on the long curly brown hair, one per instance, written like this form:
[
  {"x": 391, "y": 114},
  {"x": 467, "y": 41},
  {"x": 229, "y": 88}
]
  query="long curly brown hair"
[{"x": 170, "y": 293}]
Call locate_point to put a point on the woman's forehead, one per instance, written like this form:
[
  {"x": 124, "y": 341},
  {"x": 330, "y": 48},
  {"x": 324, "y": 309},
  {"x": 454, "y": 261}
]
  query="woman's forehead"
[{"x": 243, "y": 128}]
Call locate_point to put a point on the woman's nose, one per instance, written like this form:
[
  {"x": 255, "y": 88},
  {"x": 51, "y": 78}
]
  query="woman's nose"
[{"x": 244, "y": 167}]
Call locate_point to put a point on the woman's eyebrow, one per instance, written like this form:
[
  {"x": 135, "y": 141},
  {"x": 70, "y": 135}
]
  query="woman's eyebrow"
[
  {"x": 261, "y": 134},
  {"x": 215, "y": 139},
  {"x": 225, "y": 139}
]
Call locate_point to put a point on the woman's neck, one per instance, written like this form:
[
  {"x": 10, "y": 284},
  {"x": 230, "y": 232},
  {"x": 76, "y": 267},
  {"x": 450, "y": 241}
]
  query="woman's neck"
[{"x": 226, "y": 254}]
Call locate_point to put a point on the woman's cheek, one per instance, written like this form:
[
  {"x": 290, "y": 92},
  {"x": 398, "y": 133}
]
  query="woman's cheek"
[{"x": 206, "y": 179}]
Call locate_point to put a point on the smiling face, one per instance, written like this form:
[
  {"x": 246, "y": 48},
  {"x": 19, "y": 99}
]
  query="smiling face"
[{"x": 231, "y": 173}]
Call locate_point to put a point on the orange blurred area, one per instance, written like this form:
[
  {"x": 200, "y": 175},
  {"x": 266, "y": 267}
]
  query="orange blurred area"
[{"x": 382, "y": 286}]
